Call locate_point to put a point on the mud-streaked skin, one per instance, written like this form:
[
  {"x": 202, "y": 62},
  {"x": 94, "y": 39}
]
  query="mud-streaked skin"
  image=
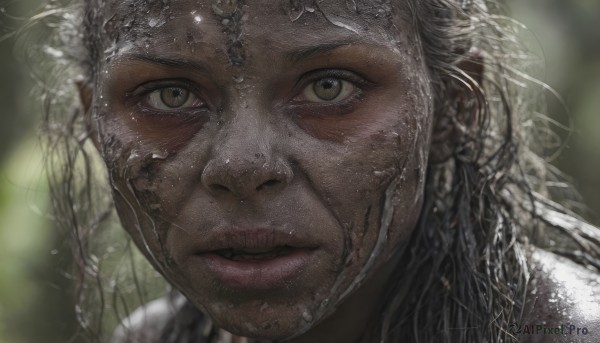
[
  {"x": 280, "y": 159},
  {"x": 251, "y": 148}
]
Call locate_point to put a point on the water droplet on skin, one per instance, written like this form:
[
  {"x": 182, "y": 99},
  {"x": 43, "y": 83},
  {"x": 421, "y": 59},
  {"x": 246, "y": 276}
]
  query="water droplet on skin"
[
  {"x": 160, "y": 155},
  {"x": 307, "y": 316},
  {"x": 238, "y": 79},
  {"x": 227, "y": 161},
  {"x": 197, "y": 19},
  {"x": 155, "y": 22},
  {"x": 133, "y": 155},
  {"x": 338, "y": 20},
  {"x": 293, "y": 9}
]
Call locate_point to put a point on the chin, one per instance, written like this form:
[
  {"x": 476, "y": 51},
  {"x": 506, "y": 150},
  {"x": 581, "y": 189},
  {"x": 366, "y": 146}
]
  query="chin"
[{"x": 259, "y": 320}]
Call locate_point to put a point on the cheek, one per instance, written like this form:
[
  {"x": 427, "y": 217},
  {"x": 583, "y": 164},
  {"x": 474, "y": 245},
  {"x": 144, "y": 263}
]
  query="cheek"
[
  {"x": 353, "y": 178},
  {"x": 135, "y": 175}
]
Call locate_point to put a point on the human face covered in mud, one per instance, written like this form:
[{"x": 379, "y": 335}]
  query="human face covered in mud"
[{"x": 267, "y": 157}]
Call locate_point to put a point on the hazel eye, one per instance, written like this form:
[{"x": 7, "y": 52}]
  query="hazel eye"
[
  {"x": 328, "y": 89},
  {"x": 172, "y": 98}
]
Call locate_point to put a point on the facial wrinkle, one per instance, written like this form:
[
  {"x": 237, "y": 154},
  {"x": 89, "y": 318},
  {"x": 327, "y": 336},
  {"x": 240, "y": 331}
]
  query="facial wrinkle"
[
  {"x": 231, "y": 14},
  {"x": 312, "y": 187},
  {"x": 324, "y": 305},
  {"x": 366, "y": 222}
]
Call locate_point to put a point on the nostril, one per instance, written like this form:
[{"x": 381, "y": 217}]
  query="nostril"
[
  {"x": 271, "y": 183},
  {"x": 268, "y": 184},
  {"x": 219, "y": 188}
]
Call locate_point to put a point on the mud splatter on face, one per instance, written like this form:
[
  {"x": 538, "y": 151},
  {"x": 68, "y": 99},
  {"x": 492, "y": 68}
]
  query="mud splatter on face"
[
  {"x": 207, "y": 151},
  {"x": 231, "y": 14}
]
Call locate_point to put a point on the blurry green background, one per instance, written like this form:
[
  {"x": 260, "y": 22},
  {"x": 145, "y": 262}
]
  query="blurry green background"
[{"x": 35, "y": 291}]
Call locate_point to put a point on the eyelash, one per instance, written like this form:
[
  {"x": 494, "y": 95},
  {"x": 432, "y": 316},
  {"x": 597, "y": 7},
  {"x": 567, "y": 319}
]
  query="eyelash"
[
  {"x": 143, "y": 93},
  {"x": 360, "y": 86},
  {"x": 298, "y": 106}
]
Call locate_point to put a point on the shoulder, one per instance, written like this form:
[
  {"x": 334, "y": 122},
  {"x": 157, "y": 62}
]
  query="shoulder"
[
  {"x": 563, "y": 301},
  {"x": 147, "y": 322}
]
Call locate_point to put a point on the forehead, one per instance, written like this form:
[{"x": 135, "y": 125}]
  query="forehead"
[{"x": 233, "y": 24}]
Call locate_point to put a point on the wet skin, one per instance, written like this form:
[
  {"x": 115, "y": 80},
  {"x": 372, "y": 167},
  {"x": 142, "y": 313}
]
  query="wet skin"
[{"x": 265, "y": 152}]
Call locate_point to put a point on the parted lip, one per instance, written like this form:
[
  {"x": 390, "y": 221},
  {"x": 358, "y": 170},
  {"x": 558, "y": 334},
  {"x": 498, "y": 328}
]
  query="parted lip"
[{"x": 252, "y": 240}]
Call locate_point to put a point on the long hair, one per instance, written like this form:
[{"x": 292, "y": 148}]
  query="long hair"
[{"x": 464, "y": 274}]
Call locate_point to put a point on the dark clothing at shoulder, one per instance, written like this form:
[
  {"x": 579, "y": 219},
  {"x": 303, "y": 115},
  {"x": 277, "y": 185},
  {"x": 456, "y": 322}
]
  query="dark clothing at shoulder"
[{"x": 562, "y": 305}]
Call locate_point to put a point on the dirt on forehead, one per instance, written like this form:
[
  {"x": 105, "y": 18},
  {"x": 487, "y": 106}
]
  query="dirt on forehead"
[
  {"x": 133, "y": 17},
  {"x": 137, "y": 18}
]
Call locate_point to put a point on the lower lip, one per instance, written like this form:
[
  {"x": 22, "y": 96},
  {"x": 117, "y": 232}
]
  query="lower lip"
[{"x": 264, "y": 274}]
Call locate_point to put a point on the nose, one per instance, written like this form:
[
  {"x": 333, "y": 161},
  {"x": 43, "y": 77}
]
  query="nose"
[{"x": 245, "y": 176}]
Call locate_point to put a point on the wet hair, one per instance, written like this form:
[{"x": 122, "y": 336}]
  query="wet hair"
[{"x": 465, "y": 273}]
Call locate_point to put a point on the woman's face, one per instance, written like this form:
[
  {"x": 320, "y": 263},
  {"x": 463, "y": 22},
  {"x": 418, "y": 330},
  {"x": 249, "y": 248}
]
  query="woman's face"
[{"x": 267, "y": 159}]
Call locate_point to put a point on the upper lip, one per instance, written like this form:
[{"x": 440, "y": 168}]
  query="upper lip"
[{"x": 252, "y": 240}]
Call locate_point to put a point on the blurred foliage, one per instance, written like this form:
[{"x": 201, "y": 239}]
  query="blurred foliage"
[
  {"x": 565, "y": 35},
  {"x": 36, "y": 291}
]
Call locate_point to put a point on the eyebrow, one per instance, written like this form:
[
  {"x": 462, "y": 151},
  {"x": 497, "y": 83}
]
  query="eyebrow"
[
  {"x": 169, "y": 62},
  {"x": 315, "y": 50},
  {"x": 186, "y": 64}
]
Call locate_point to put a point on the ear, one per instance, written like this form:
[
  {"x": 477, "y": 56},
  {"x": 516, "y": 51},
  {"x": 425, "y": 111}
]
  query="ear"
[
  {"x": 86, "y": 97},
  {"x": 457, "y": 113}
]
